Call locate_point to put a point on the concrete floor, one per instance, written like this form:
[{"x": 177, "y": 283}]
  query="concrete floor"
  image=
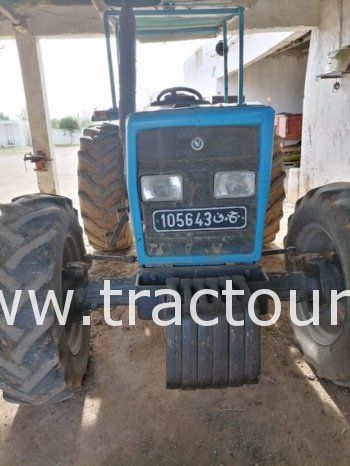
[{"x": 125, "y": 416}]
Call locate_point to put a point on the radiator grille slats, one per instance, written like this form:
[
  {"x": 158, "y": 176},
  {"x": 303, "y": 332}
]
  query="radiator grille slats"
[{"x": 169, "y": 151}]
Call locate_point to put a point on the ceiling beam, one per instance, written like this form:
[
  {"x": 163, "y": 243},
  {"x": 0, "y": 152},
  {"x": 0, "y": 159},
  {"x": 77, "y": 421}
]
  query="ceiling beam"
[
  {"x": 82, "y": 17},
  {"x": 7, "y": 11},
  {"x": 99, "y": 5},
  {"x": 282, "y": 15}
]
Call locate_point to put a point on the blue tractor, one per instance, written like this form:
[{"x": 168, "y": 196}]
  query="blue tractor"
[{"x": 197, "y": 187}]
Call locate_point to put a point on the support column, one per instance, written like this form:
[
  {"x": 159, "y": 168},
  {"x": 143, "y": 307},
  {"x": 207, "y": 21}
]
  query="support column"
[{"x": 37, "y": 108}]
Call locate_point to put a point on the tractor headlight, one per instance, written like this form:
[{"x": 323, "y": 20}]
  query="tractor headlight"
[
  {"x": 234, "y": 184},
  {"x": 161, "y": 188}
]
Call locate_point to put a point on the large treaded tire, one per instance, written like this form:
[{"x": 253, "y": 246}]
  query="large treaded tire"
[
  {"x": 217, "y": 356},
  {"x": 321, "y": 223},
  {"x": 38, "y": 235},
  {"x": 101, "y": 184},
  {"x": 277, "y": 195}
]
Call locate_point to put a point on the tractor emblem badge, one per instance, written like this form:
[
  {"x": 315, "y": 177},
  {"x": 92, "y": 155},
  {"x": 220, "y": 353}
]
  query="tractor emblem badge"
[{"x": 197, "y": 144}]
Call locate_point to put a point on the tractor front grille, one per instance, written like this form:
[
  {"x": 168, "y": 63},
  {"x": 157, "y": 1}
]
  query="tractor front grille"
[{"x": 170, "y": 151}]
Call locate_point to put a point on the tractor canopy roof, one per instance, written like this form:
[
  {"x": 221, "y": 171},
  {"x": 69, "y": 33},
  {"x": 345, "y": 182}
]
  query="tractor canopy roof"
[{"x": 159, "y": 21}]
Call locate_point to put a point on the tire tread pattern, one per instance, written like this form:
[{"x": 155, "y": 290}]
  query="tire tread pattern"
[
  {"x": 102, "y": 186},
  {"x": 31, "y": 230},
  {"x": 277, "y": 195}
]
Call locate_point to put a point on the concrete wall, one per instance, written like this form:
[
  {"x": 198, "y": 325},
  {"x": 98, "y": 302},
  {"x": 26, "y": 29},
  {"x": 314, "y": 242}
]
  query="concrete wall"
[
  {"x": 14, "y": 133},
  {"x": 279, "y": 77},
  {"x": 202, "y": 69},
  {"x": 277, "y": 80},
  {"x": 61, "y": 137},
  {"x": 17, "y": 134},
  {"x": 326, "y": 131}
]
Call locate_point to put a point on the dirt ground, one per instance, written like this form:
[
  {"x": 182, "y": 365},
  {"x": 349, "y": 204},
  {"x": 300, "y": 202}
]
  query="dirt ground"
[{"x": 125, "y": 416}]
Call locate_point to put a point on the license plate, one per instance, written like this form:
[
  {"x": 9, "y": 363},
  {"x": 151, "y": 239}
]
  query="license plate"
[{"x": 217, "y": 218}]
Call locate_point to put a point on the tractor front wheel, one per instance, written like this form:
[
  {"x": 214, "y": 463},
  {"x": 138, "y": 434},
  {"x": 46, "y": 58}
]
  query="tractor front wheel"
[{"x": 39, "y": 236}]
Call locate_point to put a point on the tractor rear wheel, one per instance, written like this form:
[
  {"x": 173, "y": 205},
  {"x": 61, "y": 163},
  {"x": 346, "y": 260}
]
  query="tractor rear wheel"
[
  {"x": 277, "y": 195},
  {"x": 320, "y": 224},
  {"x": 39, "y": 235},
  {"x": 102, "y": 191}
]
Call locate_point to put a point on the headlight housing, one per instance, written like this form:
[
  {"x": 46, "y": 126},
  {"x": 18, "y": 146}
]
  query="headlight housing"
[
  {"x": 240, "y": 183},
  {"x": 156, "y": 188}
]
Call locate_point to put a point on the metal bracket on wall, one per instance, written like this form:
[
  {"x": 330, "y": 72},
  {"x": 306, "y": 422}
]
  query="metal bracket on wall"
[
  {"x": 337, "y": 75},
  {"x": 38, "y": 158}
]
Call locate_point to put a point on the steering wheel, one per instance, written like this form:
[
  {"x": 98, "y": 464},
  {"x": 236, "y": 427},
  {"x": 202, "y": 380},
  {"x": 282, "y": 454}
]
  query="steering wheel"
[{"x": 173, "y": 93}]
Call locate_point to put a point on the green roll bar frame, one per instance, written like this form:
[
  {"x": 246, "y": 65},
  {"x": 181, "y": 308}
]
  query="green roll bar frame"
[{"x": 228, "y": 14}]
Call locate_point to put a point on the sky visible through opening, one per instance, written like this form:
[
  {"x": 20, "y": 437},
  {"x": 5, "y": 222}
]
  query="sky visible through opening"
[{"x": 76, "y": 74}]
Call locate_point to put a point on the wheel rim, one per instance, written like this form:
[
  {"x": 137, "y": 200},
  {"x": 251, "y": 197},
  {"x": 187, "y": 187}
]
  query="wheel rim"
[
  {"x": 315, "y": 239},
  {"x": 74, "y": 326}
]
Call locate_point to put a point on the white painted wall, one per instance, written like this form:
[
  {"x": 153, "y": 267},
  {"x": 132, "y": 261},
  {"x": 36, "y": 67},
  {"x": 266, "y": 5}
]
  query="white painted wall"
[
  {"x": 204, "y": 69},
  {"x": 326, "y": 129},
  {"x": 14, "y": 133},
  {"x": 61, "y": 137},
  {"x": 17, "y": 134},
  {"x": 277, "y": 80}
]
